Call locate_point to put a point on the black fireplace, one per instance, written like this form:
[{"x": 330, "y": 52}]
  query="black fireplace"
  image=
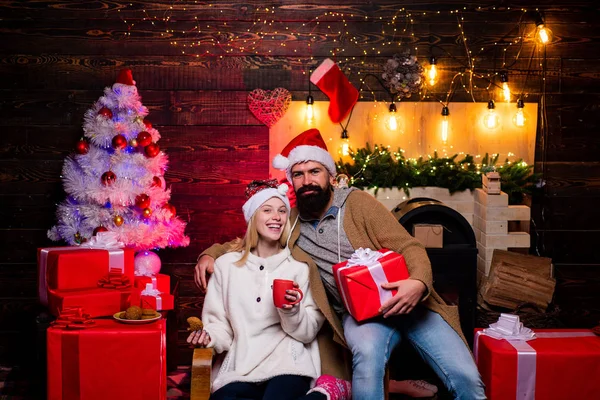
[{"x": 455, "y": 265}]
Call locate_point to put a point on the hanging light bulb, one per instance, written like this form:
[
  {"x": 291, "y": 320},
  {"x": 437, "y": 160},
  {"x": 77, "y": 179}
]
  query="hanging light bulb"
[
  {"x": 310, "y": 112},
  {"x": 432, "y": 74},
  {"x": 543, "y": 34},
  {"x": 505, "y": 88},
  {"x": 445, "y": 124},
  {"x": 392, "y": 120},
  {"x": 310, "y": 101},
  {"x": 519, "y": 118},
  {"x": 345, "y": 147},
  {"x": 490, "y": 119}
]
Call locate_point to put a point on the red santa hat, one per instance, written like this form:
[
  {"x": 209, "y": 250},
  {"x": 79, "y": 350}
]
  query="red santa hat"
[
  {"x": 126, "y": 77},
  {"x": 307, "y": 146},
  {"x": 260, "y": 191}
]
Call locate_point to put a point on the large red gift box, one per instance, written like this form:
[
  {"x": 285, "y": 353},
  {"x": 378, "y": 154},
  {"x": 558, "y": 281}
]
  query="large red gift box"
[
  {"x": 69, "y": 268},
  {"x": 111, "y": 360},
  {"x": 359, "y": 280},
  {"x": 558, "y": 365},
  {"x": 97, "y": 302},
  {"x": 160, "y": 282}
]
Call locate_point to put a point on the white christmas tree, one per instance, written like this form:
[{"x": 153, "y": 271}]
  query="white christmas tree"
[{"x": 116, "y": 182}]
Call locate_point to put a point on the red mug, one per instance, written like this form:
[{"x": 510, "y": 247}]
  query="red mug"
[{"x": 279, "y": 288}]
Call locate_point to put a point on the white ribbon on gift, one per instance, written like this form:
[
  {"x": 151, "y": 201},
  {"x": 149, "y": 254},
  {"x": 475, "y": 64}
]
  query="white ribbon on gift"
[
  {"x": 42, "y": 278},
  {"x": 103, "y": 240},
  {"x": 512, "y": 330},
  {"x": 150, "y": 291},
  {"x": 370, "y": 259},
  {"x": 109, "y": 241}
]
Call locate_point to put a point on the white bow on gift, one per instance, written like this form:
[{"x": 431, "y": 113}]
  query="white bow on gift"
[
  {"x": 364, "y": 257},
  {"x": 509, "y": 327},
  {"x": 104, "y": 240},
  {"x": 150, "y": 291}
]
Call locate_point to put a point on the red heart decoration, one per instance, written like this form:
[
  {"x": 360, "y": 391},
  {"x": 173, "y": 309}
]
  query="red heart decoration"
[{"x": 268, "y": 106}]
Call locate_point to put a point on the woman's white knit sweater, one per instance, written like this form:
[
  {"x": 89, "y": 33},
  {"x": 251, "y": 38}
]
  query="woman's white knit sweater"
[{"x": 261, "y": 341}]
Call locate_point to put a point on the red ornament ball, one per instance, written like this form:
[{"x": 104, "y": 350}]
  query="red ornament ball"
[
  {"x": 156, "y": 182},
  {"x": 142, "y": 200},
  {"x": 152, "y": 150},
  {"x": 144, "y": 138},
  {"x": 99, "y": 229},
  {"x": 119, "y": 142},
  {"x": 146, "y": 213},
  {"x": 170, "y": 207},
  {"x": 82, "y": 147},
  {"x": 108, "y": 178},
  {"x": 105, "y": 112},
  {"x": 148, "y": 124}
]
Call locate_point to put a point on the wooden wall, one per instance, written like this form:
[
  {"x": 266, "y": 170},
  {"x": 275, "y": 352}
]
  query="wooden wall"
[{"x": 57, "y": 56}]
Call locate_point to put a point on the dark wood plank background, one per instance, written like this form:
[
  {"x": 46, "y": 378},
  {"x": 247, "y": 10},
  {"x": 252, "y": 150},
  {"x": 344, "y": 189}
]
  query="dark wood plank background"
[{"x": 57, "y": 56}]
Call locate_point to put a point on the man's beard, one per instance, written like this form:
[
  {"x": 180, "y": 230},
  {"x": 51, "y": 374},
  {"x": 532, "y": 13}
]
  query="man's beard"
[{"x": 312, "y": 205}]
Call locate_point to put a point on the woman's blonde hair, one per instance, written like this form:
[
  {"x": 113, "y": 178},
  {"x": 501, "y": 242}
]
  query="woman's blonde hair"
[{"x": 250, "y": 239}]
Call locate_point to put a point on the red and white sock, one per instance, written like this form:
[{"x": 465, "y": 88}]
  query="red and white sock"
[
  {"x": 333, "y": 388},
  {"x": 330, "y": 79}
]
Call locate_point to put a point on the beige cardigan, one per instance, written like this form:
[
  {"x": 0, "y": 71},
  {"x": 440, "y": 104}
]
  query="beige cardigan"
[{"x": 367, "y": 224}]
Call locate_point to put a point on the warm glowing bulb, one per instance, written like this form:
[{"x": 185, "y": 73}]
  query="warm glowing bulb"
[
  {"x": 392, "y": 120},
  {"x": 345, "y": 149},
  {"x": 519, "y": 117},
  {"x": 432, "y": 75},
  {"x": 310, "y": 112},
  {"x": 506, "y": 92},
  {"x": 544, "y": 34},
  {"x": 490, "y": 119},
  {"x": 445, "y": 124}
]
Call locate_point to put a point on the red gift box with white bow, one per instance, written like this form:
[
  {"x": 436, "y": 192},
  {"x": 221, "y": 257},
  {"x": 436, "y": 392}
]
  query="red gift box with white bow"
[
  {"x": 82, "y": 267},
  {"x": 551, "y": 364},
  {"x": 359, "y": 280}
]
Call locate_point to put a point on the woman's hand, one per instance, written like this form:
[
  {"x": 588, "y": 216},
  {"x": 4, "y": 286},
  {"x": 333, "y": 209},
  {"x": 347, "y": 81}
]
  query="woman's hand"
[
  {"x": 199, "y": 338},
  {"x": 291, "y": 296}
]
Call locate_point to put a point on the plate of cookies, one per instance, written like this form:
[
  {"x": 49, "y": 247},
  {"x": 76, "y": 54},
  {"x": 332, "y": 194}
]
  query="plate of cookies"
[{"x": 137, "y": 315}]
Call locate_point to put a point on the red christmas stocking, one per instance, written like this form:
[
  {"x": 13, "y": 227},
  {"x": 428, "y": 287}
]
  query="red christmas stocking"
[{"x": 342, "y": 95}]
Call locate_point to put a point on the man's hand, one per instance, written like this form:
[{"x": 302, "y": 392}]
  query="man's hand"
[
  {"x": 410, "y": 292},
  {"x": 204, "y": 268}
]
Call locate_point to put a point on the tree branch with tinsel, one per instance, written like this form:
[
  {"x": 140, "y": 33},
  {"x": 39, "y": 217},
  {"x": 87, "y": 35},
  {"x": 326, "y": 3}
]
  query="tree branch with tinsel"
[{"x": 381, "y": 168}]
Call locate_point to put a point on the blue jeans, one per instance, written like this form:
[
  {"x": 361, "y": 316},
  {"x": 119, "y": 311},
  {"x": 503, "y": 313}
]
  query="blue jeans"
[{"x": 436, "y": 342}]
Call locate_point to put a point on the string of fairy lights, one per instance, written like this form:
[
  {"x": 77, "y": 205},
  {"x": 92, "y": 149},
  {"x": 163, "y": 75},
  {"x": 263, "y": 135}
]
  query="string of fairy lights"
[{"x": 208, "y": 30}]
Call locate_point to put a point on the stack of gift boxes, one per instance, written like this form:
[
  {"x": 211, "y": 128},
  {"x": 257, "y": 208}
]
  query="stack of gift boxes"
[{"x": 98, "y": 361}]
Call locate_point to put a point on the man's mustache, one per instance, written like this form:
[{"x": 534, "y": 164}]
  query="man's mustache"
[{"x": 310, "y": 188}]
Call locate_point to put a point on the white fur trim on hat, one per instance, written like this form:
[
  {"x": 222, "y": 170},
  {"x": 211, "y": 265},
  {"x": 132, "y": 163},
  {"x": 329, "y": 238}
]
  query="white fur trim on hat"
[
  {"x": 252, "y": 204},
  {"x": 306, "y": 153},
  {"x": 280, "y": 162}
]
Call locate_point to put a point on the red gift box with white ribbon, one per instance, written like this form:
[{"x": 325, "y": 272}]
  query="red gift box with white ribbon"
[
  {"x": 557, "y": 364},
  {"x": 155, "y": 299},
  {"x": 81, "y": 267},
  {"x": 111, "y": 360},
  {"x": 160, "y": 282},
  {"x": 359, "y": 280}
]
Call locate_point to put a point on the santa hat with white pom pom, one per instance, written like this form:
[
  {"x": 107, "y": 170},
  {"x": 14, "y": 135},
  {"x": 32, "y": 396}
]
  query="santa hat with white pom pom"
[
  {"x": 258, "y": 192},
  {"x": 307, "y": 146}
]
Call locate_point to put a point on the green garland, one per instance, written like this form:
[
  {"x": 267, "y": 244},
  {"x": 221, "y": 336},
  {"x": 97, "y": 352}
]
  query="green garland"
[{"x": 381, "y": 168}]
